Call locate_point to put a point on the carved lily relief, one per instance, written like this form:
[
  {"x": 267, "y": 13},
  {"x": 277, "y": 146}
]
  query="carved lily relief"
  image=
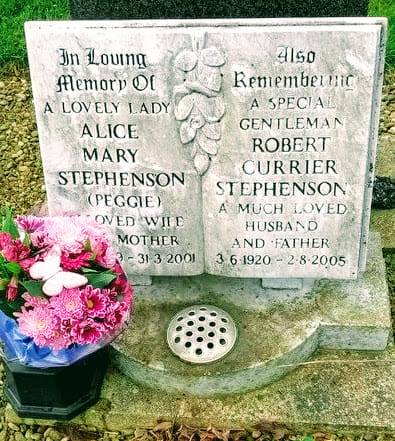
[{"x": 198, "y": 104}]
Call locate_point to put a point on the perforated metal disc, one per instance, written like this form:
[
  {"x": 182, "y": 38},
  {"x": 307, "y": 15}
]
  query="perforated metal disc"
[{"x": 201, "y": 334}]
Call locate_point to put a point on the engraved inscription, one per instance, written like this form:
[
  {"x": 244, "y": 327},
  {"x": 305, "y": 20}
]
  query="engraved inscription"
[{"x": 240, "y": 149}]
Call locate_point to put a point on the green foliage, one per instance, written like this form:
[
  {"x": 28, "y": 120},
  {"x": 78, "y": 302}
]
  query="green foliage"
[
  {"x": 34, "y": 287},
  {"x": 13, "y": 268},
  {"x": 10, "y": 307},
  {"x": 100, "y": 280},
  {"x": 8, "y": 224},
  {"x": 13, "y": 14},
  {"x": 98, "y": 277},
  {"x": 386, "y": 8}
]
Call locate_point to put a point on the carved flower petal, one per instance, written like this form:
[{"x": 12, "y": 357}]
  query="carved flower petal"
[
  {"x": 196, "y": 119},
  {"x": 187, "y": 133},
  {"x": 212, "y": 131},
  {"x": 209, "y": 77},
  {"x": 211, "y": 108},
  {"x": 206, "y": 144},
  {"x": 186, "y": 60},
  {"x": 183, "y": 108},
  {"x": 211, "y": 56},
  {"x": 201, "y": 162}
]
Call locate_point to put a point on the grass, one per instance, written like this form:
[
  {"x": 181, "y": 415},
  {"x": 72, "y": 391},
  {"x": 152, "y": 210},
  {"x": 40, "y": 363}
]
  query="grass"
[
  {"x": 386, "y": 8},
  {"x": 13, "y": 14}
]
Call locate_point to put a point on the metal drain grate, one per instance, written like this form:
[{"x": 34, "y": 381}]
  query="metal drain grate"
[{"x": 201, "y": 334}]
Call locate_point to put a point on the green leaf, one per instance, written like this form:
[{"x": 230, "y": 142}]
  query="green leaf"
[
  {"x": 9, "y": 225},
  {"x": 88, "y": 270},
  {"x": 13, "y": 268},
  {"x": 10, "y": 307},
  {"x": 4, "y": 283},
  {"x": 87, "y": 245},
  {"x": 100, "y": 280},
  {"x": 26, "y": 240},
  {"x": 34, "y": 287}
]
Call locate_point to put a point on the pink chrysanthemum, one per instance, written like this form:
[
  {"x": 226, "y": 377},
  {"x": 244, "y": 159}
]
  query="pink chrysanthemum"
[
  {"x": 87, "y": 332},
  {"x": 93, "y": 229},
  {"x": 67, "y": 233},
  {"x": 59, "y": 339},
  {"x": 68, "y": 304},
  {"x": 114, "y": 317},
  {"x": 95, "y": 301},
  {"x": 107, "y": 258},
  {"x": 32, "y": 301},
  {"x": 29, "y": 223},
  {"x": 39, "y": 323},
  {"x": 103, "y": 252},
  {"x": 39, "y": 239}
]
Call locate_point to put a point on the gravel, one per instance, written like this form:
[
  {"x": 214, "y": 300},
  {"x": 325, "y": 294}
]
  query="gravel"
[
  {"x": 22, "y": 188},
  {"x": 22, "y": 183}
]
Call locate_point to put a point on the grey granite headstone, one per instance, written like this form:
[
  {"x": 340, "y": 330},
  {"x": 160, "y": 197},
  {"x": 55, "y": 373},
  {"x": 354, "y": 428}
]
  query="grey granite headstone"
[
  {"x": 122, "y": 9},
  {"x": 241, "y": 148}
]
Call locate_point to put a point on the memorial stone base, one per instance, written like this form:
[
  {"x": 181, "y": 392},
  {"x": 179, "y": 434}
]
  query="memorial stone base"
[{"x": 277, "y": 328}]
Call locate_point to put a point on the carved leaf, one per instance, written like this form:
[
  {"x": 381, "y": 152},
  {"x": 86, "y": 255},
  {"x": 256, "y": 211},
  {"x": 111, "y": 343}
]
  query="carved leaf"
[
  {"x": 186, "y": 60},
  {"x": 211, "y": 56},
  {"x": 194, "y": 149},
  {"x": 187, "y": 133},
  {"x": 212, "y": 131},
  {"x": 201, "y": 162},
  {"x": 209, "y": 76},
  {"x": 211, "y": 108},
  {"x": 183, "y": 108},
  {"x": 207, "y": 144}
]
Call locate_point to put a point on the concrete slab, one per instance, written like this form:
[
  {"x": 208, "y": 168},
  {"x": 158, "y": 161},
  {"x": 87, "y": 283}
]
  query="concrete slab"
[{"x": 335, "y": 390}]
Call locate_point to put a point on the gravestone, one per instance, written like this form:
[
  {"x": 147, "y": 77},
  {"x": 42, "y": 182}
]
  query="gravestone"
[
  {"x": 233, "y": 162},
  {"x": 138, "y": 9}
]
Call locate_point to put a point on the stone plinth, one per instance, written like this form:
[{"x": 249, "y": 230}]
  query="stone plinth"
[{"x": 278, "y": 329}]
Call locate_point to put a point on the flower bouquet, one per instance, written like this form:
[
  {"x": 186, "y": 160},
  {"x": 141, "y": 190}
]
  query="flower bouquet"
[{"x": 63, "y": 297}]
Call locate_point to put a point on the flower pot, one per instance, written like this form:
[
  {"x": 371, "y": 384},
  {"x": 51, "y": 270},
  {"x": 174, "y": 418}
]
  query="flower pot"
[{"x": 58, "y": 393}]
